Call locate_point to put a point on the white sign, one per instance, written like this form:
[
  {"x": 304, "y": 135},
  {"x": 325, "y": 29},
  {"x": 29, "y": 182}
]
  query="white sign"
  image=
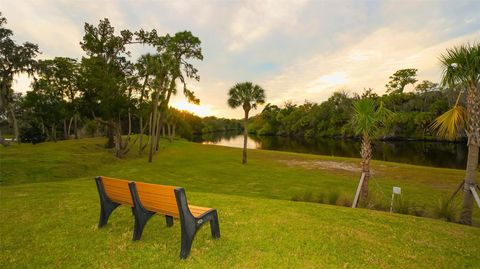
[{"x": 397, "y": 190}]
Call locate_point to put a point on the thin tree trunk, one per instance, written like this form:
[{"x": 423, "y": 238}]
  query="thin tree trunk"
[
  {"x": 245, "y": 135},
  {"x": 150, "y": 123},
  {"x": 169, "y": 132},
  {"x": 54, "y": 133},
  {"x": 129, "y": 123},
  {"x": 153, "y": 127},
  {"x": 473, "y": 133},
  {"x": 70, "y": 125},
  {"x": 174, "y": 127},
  {"x": 159, "y": 125},
  {"x": 140, "y": 141},
  {"x": 75, "y": 127},
  {"x": 16, "y": 133},
  {"x": 65, "y": 134},
  {"x": 366, "y": 153},
  {"x": 110, "y": 143}
]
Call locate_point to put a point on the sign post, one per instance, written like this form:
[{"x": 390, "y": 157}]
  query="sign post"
[{"x": 395, "y": 191}]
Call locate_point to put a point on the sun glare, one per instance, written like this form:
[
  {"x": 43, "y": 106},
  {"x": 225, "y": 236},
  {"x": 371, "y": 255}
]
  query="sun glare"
[{"x": 198, "y": 110}]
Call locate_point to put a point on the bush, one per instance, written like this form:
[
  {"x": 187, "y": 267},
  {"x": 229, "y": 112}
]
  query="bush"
[
  {"x": 402, "y": 205},
  {"x": 32, "y": 133},
  {"x": 91, "y": 127},
  {"x": 333, "y": 197},
  {"x": 446, "y": 209}
]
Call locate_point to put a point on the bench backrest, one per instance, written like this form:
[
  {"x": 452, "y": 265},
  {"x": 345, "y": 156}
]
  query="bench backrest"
[
  {"x": 158, "y": 198},
  {"x": 117, "y": 190}
]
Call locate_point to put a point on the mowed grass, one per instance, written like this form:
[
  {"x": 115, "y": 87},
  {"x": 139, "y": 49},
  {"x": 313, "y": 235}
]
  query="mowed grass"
[{"x": 49, "y": 208}]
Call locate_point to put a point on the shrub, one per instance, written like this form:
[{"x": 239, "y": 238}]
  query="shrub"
[
  {"x": 91, "y": 127},
  {"x": 32, "y": 133},
  {"x": 446, "y": 209},
  {"x": 402, "y": 205},
  {"x": 333, "y": 197}
]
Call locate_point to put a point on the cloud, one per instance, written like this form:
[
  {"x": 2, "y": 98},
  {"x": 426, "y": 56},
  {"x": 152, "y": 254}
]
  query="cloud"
[
  {"x": 296, "y": 50},
  {"x": 255, "y": 19},
  {"x": 367, "y": 63}
]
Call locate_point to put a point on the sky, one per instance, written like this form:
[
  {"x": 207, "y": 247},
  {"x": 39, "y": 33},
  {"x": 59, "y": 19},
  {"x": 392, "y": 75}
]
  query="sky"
[{"x": 296, "y": 50}]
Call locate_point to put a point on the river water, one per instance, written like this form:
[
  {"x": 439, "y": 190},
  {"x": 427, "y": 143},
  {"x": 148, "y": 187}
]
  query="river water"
[{"x": 436, "y": 154}]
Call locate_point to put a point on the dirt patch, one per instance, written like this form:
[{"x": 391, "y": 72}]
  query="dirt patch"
[{"x": 324, "y": 165}]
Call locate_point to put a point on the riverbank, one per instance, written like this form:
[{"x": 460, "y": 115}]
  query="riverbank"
[
  {"x": 435, "y": 154},
  {"x": 48, "y": 192}
]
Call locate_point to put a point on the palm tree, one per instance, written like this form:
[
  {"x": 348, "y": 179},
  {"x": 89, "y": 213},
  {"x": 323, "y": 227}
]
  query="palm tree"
[
  {"x": 248, "y": 96},
  {"x": 367, "y": 120},
  {"x": 461, "y": 68}
]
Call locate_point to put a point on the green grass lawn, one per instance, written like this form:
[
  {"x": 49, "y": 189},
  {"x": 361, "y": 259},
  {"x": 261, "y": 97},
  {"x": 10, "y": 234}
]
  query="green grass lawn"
[{"x": 50, "y": 210}]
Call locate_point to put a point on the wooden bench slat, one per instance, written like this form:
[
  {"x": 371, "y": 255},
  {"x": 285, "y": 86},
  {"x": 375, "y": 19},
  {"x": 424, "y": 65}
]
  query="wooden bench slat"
[{"x": 119, "y": 195}]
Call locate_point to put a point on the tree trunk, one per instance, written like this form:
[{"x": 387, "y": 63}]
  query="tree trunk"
[
  {"x": 65, "y": 134},
  {"x": 174, "y": 126},
  {"x": 16, "y": 133},
  {"x": 54, "y": 133},
  {"x": 110, "y": 143},
  {"x": 159, "y": 125},
  {"x": 169, "y": 132},
  {"x": 153, "y": 127},
  {"x": 140, "y": 141},
  {"x": 473, "y": 133},
  {"x": 75, "y": 127},
  {"x": 129, "y": 123},
  {"x": 245, "y": 135},
  {"x": 366, "y": 153},
  {"x": 69, "y": 126}
]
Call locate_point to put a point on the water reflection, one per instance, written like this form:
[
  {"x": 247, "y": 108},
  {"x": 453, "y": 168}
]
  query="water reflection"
[
  {"x": 228, "y": 139},
  {"x": 438, "y": 154}
]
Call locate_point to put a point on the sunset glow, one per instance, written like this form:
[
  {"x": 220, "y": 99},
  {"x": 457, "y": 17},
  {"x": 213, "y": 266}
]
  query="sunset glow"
[{"x": 198, "y": 110}]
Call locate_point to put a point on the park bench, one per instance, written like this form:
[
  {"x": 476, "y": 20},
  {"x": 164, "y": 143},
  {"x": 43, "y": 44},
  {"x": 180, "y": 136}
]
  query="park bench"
[{"x": 148, "y": 199}]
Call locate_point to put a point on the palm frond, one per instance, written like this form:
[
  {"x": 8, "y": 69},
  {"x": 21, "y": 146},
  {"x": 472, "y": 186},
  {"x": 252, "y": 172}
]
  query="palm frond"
[{"x": 448, "y": 124}]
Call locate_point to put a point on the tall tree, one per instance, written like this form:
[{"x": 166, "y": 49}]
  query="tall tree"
[
  {"x": 46, "y": 99},
  {"x": 400, "y": 79},
  {"x": 248, "y": 96},
  {"x": 461, "y": 68},
  {"x": 105, "y": 84},
  {"x": 172, "y": 67},
  {"x": 14, "y": 59},
  {"x": 424, "y": 88},
  {"x": 367, "y": 120}
]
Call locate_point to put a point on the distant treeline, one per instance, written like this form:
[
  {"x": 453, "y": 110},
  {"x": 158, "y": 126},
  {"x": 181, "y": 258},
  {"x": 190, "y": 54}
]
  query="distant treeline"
[{"x": 414, "y": 113}]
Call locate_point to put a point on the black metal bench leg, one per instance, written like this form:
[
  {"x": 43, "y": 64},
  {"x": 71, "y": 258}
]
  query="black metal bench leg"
[
  {"x": 169, "y": 220},
  {"x": 188, "y": 234},
  {"x": 106, "y": 205},
  {"x": 141, "y": 214},
  {"x": 106, "y": 209},
  {"x": 141, "y": 219},
  {"x": 214, "y": 225}
]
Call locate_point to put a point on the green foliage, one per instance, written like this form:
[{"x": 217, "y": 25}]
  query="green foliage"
[
  {"x": 461, "y": 66},
  {"x": 247, "y": 95},
  {"x": 446, "y": 209},
  {"x": 414, "y": 113},
  {"x": 400, "y": 79},
  {"x": 32, "y": 133},
  {"x": 91, "y": 127},
  {"x": 402, "y": 205}
]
